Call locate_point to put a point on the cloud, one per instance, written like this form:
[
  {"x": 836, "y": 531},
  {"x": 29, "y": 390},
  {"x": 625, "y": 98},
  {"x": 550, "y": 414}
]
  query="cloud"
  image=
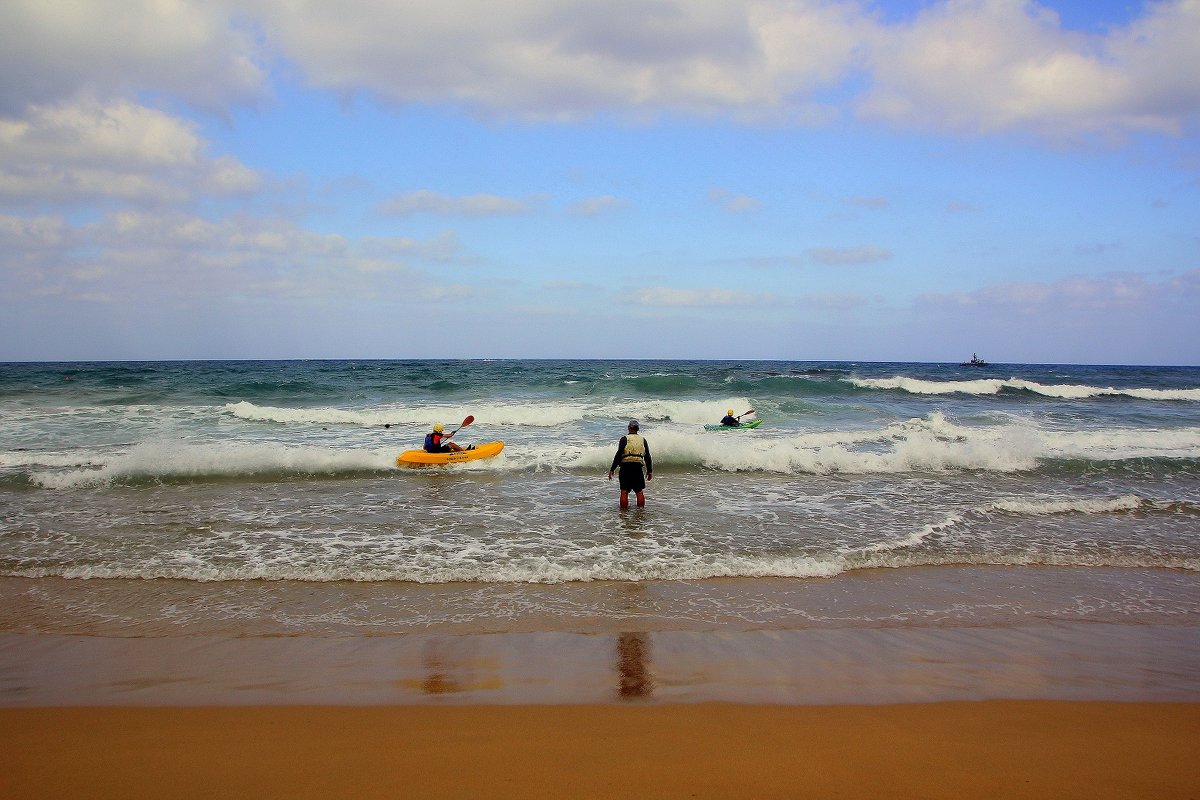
[
  {"x": 981, "y": 66},
  {"x": 975, "y": 66},
  {"x": 1096, "y": 248},
  {"x": 875, "y": 203},
  {"x": 570, "y": 286},
  {"x": 763, "y": 262},
  {"x": 1118, "y": 318},
  {"x": 443, "y": 248},
  {"x": 835, "y": 301},
  {"x": 122, "y": 151},
  {"x": 962, "y": 207},
  {"x": 30, "y": 234},
  {"x": 179, "y": 259},
  {"x": 966, "y": 66},
  {"x": 735, "y": 203},
  {"x": 670, "y": 297},
  {"x": 849, "y": 256},
  {"x": 1118, "y": 292},
  {"x": 424, "y": 201},
  {"x": 564, "y": 60},
  {"x": 594, "y": 206},
  {"x": 106, "y": 49}
]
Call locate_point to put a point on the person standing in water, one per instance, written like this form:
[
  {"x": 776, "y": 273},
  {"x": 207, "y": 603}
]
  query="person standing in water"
[{"x": 633, "y": 452}]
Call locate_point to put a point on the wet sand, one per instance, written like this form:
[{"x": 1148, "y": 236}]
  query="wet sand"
[
  {"x": 1005, "y": 749},
  {"x": 954, "y": 683}
]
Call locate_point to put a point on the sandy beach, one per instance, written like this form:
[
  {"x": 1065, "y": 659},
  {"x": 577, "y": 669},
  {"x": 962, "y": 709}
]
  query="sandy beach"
[
  {"x": 997, "y": 749},
  {"x": 906, "y": 687}
]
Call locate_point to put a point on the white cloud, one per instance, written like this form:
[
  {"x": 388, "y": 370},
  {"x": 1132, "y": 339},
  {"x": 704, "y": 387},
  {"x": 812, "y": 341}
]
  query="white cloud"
[
  {"x": 734, "y": 203},
  {"x": 261, "y": 236},
  {"x": 55, "y": 51},
  {"x": 1118, "y": 318},
  {"x": 835, "y": 302},
  {"x": 424, "y": 201},
  {"x": 444, "y": 247},
  {"x": 1108, "y": 293},
  {"x": 960, "y": 65},
  {"x": 137, "y": 257},
  {"x": 123, "y": 151},
  {"x": 991, "y": 65},
  {"x": 667, "y": 296},
  {"x": 848, "y": 256},
  {"x": 874, "y": 203},
  {"x": 594, "y": 206},
  {"x": 23, "y": 234},
  {"x": 566, "y": 59}
]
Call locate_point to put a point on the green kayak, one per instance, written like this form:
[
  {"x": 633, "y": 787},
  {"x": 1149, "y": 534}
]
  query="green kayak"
[{"x": 754, "y": 423}]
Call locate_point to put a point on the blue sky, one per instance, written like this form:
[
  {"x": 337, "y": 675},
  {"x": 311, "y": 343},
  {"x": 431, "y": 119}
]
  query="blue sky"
[{"x": 796, "y": 179}]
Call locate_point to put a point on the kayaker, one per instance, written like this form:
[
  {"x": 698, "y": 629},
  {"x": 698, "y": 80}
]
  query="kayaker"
[
  {"x": 730, "y": 419},
  {"x": 633, "y": 452},
  {"x": 437, "y": 442}
]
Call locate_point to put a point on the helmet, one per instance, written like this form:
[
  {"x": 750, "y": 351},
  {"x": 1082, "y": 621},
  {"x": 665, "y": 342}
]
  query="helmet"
[
  {"x": 730, "y": 412},
  {"x": 633, "y": 424},
  {"x": 438, "y": 428}
]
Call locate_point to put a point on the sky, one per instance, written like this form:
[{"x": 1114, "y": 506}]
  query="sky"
[{"x": 905, "y": 180}]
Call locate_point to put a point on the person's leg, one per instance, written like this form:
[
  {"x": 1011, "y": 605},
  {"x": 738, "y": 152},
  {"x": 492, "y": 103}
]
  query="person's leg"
[
  {"x": 624, "y": 498},
  {"x": 641, "y": 500}
]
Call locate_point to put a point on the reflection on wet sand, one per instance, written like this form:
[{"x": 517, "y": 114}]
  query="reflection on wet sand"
[
  {"x": 633, "y": 669},
  {"x": 437, "y": 680},
  {"x": 452, "y": 666}
]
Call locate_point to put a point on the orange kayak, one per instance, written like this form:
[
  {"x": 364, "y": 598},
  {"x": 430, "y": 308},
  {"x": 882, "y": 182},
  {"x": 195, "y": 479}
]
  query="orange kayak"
[{"x": 411, "y": 458}]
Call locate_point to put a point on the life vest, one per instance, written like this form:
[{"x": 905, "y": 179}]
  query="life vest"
[
  {"x": 432, "y": 445},
  {"x": 635, "y": 449}
]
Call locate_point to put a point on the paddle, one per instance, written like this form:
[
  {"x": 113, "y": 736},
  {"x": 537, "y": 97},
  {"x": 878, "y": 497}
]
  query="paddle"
[
  {"x": 744, "y": 413},
  {"x": 465, "y": 423}
]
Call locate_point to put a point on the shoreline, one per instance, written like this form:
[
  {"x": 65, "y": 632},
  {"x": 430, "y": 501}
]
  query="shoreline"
[
  {"x": 931, "y": 635},
  {"x": 1017, "y": 749},
  {"x": 1046, "y": 661}
]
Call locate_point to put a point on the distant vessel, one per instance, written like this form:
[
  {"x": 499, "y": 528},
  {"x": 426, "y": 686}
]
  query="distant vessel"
[{"x": 975, "y": 361}]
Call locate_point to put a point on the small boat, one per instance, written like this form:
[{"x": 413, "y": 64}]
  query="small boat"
[
  {"x": 421, "y": 458},
  {"x": 754, "y": 423},
  {"x": 975, "y": 361}
]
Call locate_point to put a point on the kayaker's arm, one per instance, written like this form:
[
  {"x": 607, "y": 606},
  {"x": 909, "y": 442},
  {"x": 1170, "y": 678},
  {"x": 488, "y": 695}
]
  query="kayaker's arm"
[{"x": 617, "y": 458}]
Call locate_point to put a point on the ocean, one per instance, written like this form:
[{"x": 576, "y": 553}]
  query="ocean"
[{"x": 259, "y": 504}]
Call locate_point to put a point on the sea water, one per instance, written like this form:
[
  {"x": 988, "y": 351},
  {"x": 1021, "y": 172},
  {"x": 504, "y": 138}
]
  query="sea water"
[{"x": 221, "y": 497}]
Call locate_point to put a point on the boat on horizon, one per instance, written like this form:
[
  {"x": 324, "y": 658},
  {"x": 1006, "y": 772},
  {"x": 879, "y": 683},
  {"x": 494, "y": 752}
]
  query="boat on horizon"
[{"x": 975, "y": 361}]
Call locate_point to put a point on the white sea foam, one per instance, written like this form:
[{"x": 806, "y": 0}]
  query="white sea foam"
[
  {"x": 490, "y": 567},
  {"x": 933, "y": 443},
  {"x": 1099, "y": 505},
  {"x": 43, "y": 458},
  {"x": 166, "y": 459},
  {"x": 930, "y": 443},
  {"x": 519, "y": 414},
  {"x": 987, "y": 386}
]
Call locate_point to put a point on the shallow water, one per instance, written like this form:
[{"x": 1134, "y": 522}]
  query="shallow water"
[{"x": 212, "y": 502}]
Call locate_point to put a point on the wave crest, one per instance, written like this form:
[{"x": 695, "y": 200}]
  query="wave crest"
[{"x": 987, "y": 386}]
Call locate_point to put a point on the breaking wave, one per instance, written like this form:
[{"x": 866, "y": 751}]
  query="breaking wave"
[{"x": 991, "y": 386}]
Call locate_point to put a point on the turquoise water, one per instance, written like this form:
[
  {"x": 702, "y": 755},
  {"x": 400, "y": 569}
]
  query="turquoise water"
[{"x": 210, "y": 471}]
